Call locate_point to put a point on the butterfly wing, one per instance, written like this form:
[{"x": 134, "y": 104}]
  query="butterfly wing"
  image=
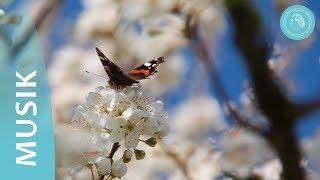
[
  {"x": 146, "y": 70},
  {"x": 116, "y": 75}
]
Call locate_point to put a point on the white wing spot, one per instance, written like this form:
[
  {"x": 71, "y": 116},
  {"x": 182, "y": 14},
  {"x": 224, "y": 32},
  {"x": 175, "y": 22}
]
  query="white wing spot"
[{"x": 147, "y": 64}]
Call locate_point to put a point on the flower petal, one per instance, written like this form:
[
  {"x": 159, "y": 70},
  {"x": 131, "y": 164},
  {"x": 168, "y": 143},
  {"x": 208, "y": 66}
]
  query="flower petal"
[
  {"x": 156, "y": 107},
  {"x": 137, "y": 116},
  {"x": 80, "y": 118},
  {"x": 151, "y": 126},
  {"x": 115, "y": 123},
  {"x": 164, "y": 130},
  {"x": 118, "y": 97},
  {"x": 127, "y": 113},
  {"x": 132, "y": 139},
  {"x": 132, "y": 91},
  {"x": 120, "y": 107},
  {"x": 141, "y": 101},
  {"x": 96, "y": 120},
  {"x": 93, "y": 98},
  {"x": 117, "y": 135}
]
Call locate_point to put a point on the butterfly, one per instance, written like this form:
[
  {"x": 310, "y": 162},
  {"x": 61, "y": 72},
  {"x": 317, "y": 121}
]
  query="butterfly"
[{"x": 119, "y": 79}]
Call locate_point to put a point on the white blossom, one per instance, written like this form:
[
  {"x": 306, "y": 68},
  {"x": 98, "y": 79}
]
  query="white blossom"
[
  {"x": 123, "y": 116},
  {"x": 127, "y": 114},
  {"x": 86, "y": 119},
  {"x": 129, "y": 128},
  {"x": 119, "y": 168},
  {"x": 164, "y": 130},
  {"x": 76, "y": 148},
  {"x": 104, "y": 166}
]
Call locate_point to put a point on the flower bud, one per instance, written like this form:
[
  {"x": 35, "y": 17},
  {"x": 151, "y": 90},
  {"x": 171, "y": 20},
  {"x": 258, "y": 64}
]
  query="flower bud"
[
  {"x": 164, "y": 130},
  {"x": 151, "y": 142},
  {"x": 104, "y": 166},
  {"x": 126, "y": 160},
  {"x": 140, "y": 154},
  {"x": 127, "y": 153},
  {"x": 127, "y": 156},
  {"x": 119, "y": 168}
]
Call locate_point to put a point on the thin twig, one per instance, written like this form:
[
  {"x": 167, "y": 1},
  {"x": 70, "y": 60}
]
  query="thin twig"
[
  {"x": 92, "y": 175},
  {"x": 305, "y": 109},
  {"x": 114, "y": 149},
  {"x": 179, "y": 162}
]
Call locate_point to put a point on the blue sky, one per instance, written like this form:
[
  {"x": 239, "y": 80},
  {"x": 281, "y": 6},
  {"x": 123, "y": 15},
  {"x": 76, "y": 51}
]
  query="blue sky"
[{"x": 305, "y": 73}]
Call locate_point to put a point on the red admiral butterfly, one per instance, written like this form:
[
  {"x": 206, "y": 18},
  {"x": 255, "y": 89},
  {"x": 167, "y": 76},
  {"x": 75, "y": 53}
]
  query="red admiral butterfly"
[{"x": 119, "y": 79}]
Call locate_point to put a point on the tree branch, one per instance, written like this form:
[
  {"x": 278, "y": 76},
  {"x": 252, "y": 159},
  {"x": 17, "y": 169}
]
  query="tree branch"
[
  {"x": 114, "y": 149},
  {"x": 272, "y": 101},
  {"x": 305, "y": 109},
  {"x": 203, "y": 52}
]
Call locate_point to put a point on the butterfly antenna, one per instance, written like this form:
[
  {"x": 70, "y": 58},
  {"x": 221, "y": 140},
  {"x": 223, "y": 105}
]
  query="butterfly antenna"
[{"x": 95, "y": 74}]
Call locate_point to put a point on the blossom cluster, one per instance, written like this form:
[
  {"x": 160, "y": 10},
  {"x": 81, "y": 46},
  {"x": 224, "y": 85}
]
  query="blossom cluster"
[{"x": 123, "y": 118}]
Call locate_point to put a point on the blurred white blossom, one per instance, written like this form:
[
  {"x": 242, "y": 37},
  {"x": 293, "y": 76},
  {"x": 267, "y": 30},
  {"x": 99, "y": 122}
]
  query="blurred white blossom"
[
  {"x": 198, "y": 162},
  {"x": 2, "y": 13},
  {"x": 69, "y": 81},
  {"x": 249, "y": 110},
  {"x": 283, "y": 58},
  {"x": 312, "y": 148},
  {"x": 98, "y": 20},
  {"x": 197, "y": 117},
  {"x": 269, "y": 170},
  {"x": 242, "y": 151}
]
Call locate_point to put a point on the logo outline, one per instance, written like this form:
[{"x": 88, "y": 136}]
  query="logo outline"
[{"x": 297, "y": 14}]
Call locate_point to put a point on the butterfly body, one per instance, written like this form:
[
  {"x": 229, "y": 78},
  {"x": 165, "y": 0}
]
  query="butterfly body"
[{"x": 119, "y": 79}]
